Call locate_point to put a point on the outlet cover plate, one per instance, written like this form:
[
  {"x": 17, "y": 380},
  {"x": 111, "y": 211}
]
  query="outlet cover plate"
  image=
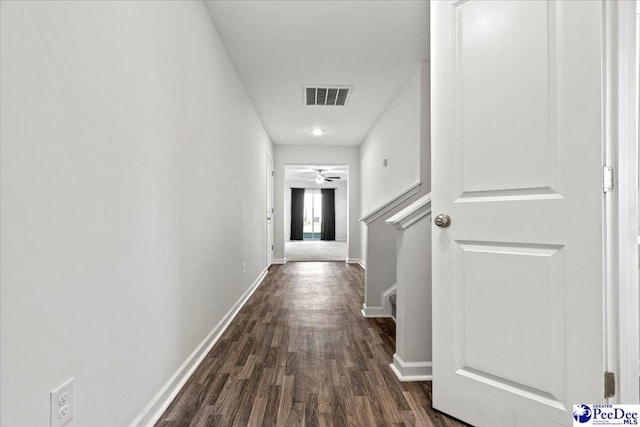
[{"x": 61, "y": 400}]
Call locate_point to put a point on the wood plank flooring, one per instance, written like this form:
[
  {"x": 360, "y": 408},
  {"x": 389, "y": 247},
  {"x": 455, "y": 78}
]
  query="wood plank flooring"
[{"x": 300, "y": 353}]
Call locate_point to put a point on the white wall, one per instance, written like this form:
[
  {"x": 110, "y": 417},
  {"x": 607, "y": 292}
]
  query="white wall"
[
  {"x": 340, "y": 204},
  {"x": 132, "y": 189},
  {"x": 396, "y": 136},
  {"x": 401, "y": 135},
  {"x": 312, "y": 155}
]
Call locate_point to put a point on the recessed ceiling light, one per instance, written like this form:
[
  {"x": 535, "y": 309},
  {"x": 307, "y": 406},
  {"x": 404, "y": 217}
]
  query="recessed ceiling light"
[{"x": 317, "y": 131}]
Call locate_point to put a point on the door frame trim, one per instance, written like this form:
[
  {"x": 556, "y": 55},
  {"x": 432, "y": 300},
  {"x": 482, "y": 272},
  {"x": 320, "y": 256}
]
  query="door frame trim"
[
  {"x": 621, "y": 206},
  {"x": 270, "y": 183}
]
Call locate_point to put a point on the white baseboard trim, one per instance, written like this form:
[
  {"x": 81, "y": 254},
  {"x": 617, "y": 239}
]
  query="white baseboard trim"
[
  {"x": 373, "y": 312},
  {"x": 161, "y": 401},
  {"x": 411, "y": 371},
  {"x": 382, "y": 311},
  {"x": 356, "y": 261},
  {"x": 279, "y": 260}
]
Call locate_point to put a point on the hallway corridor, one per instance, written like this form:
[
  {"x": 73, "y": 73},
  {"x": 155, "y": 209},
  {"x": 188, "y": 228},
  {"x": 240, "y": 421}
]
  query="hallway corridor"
[{"x": 300, "y": 353}]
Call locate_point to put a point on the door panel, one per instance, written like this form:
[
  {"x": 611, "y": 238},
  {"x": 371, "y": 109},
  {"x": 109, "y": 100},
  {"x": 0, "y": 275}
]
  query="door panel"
[
  {"x": 491, "y": 72},
  {"x": 498, "y": 350},
  {"x": 517, "y": 149}
]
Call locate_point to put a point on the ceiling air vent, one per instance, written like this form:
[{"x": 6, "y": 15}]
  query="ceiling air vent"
[{"x": 328, "y": 96}]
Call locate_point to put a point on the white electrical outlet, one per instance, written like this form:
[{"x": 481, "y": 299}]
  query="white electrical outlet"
[
  {"x": 62, "y": 404},
  {"x": 63, "y": 399}
]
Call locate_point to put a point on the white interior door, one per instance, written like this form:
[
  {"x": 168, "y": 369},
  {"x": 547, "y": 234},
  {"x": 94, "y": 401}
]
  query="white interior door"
[
  {"x": 269, "y": 211},
  {"x": 517, "y": 165}
]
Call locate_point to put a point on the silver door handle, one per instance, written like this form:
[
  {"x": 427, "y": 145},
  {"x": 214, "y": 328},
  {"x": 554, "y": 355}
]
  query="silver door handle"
[{"x": 442, "y": 220}]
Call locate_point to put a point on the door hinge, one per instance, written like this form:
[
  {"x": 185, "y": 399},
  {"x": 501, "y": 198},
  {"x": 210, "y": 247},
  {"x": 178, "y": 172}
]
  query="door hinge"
[
  {"x": 271, "y": 247},
  {"x": 272, "y": 172},
  {"x": 607, "y": 179},
  {"x": 609, "y": 385}
]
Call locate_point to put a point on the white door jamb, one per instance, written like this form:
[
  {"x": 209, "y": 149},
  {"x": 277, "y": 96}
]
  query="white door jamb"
[{"x": 621, "y": 212}]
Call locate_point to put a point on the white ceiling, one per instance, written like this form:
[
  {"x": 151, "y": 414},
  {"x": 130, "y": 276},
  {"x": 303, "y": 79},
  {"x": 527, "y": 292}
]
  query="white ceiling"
[
  {"x": 278, "y": 47},
  {"x": 308, "y": 172}
]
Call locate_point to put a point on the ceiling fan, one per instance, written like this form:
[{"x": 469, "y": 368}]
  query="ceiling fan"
[{"x": 320, "y": 178}]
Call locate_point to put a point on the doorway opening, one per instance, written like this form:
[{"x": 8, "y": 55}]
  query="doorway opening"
[
  {"x": 316, "y": 199},
  {"x": 312, "y": 219}
]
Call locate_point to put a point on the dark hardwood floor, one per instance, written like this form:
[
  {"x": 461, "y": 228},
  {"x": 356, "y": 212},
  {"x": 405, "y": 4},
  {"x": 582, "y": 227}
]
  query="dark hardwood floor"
[{"x": 300, "y": 353}]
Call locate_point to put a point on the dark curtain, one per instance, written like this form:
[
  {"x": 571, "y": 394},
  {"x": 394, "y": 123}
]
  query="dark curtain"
[
  {"x": 328, "y": 230},
  {"x": 297, "y": 213}
]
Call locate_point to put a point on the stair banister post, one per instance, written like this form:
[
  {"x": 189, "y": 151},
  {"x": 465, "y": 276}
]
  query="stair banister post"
[{"x": 413, "y": 358}]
